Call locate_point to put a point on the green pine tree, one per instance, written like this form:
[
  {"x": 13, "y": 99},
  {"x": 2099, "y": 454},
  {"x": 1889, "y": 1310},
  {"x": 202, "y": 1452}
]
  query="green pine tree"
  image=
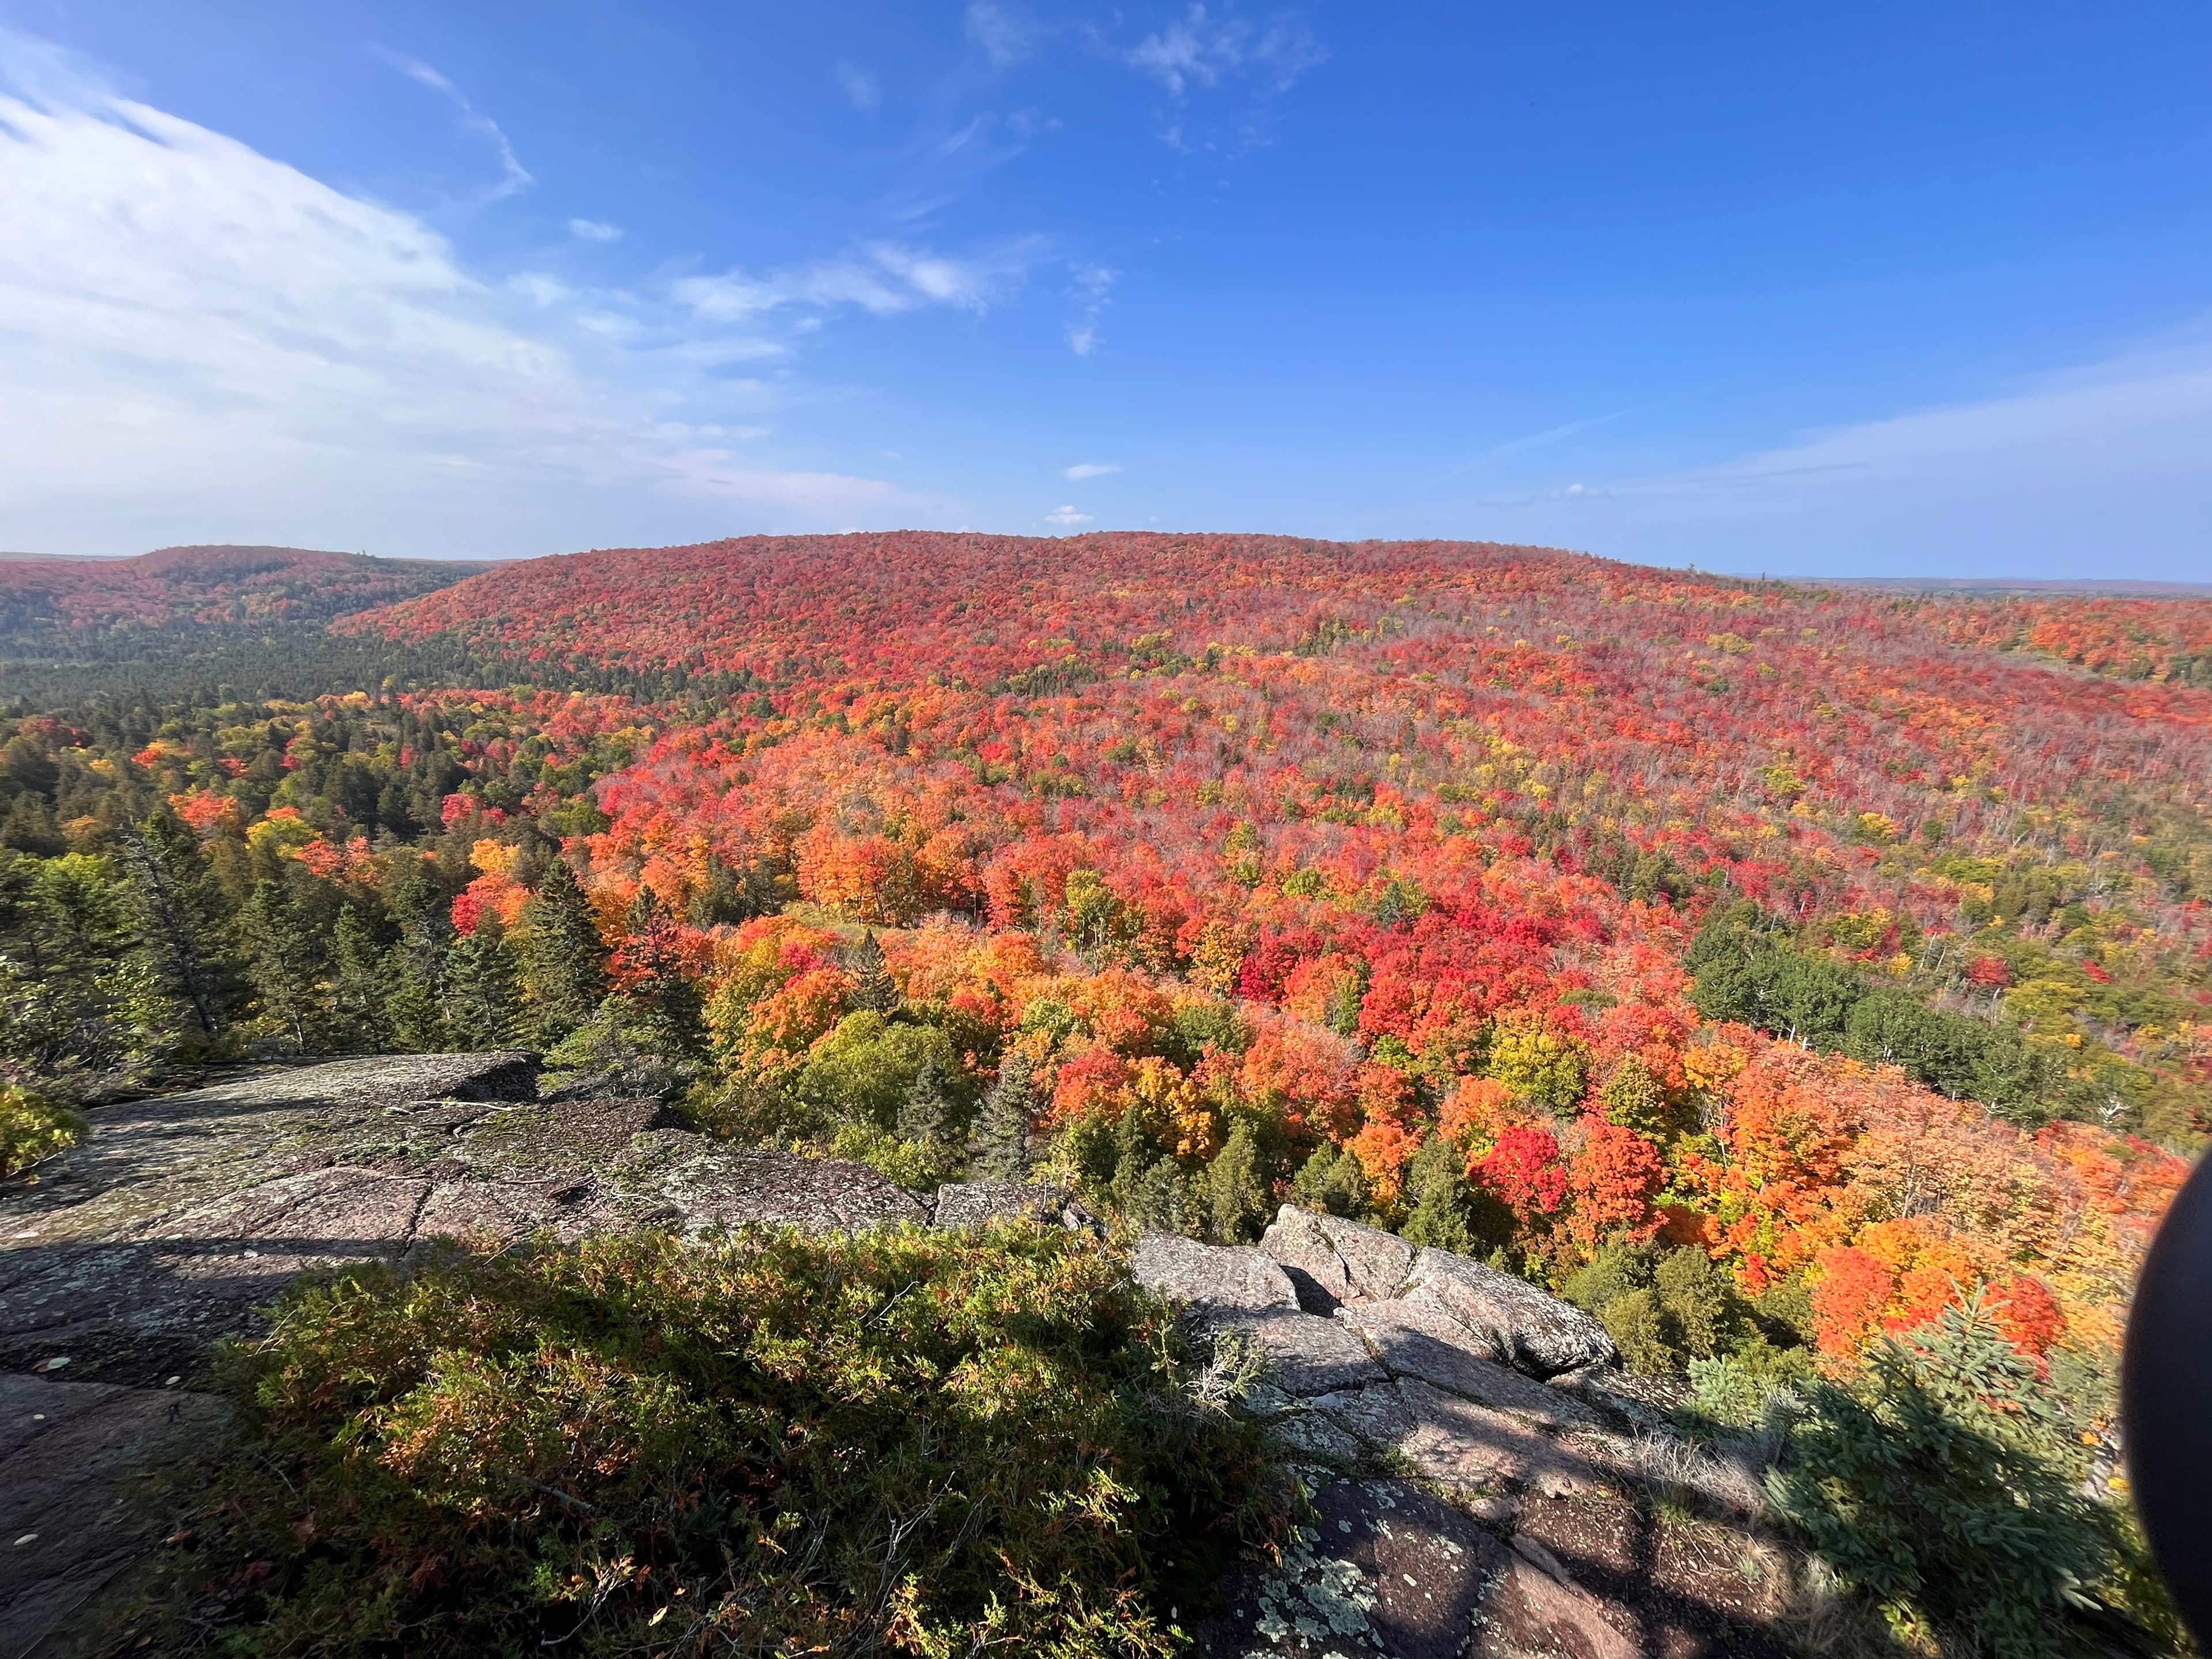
[
  {"x": 1945, "y": 1484},
  {"x": 285, "y": 966},
  {"x": 873, "y": 988},
  {"x": 1004, "y": 1147},
  {"x": 359, "y": 986},
  {"x": 652, "y": 958},
  {"x": 924, "y": 1116},
  {"x": 1334, "y": 1181},
  {"x": 1238, "y": 1202},
  {"x": 182, "y": 924},
  {"x": 564, "y": 963},
  {"x": 483, "y": 987},
  {"x": 418, "y": 966},
  {"x": 1443, "y": 1215}
]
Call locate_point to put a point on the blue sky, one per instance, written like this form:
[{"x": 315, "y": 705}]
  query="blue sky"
[{"x": 1879, "y": 290}]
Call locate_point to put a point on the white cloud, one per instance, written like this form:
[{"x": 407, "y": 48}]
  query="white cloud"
[
  {"x": 1201, "y": 50},
  {"x": 859, "y": 87},
  {"x": 1089, "y": 290},
  {"x": 200, "y": 343},
  {"x": 1083, "y": 469},
  {"x": 2097, "y": 471},
  {"x": 513, "y": 177},
  {"x": 1543, "y": 440},
  {"x": 1003, "y": 31},
  {"x": 1067, "y": 517},
  {"x": 881, "y": 277},
  {"x": 592, "y": 230}
]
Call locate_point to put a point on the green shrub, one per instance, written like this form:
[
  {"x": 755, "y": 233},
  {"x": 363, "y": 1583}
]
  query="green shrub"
[
  {"x": 771, "y": 1445},
  {"x": 867, "y": 1069},
  {"x": 33, "y": 1128},
  {"x": 1616, "y": 1271},
  {"x": 627, "y": 1048},
  {"x": 1639, "y": 1326},
  {"x": 920, "y": 1166},
  {"x": 1944, "y": 1487},
  {"x": 1334, "y": 1181},
  {"x": 1708, "y": 1317},
  {"x": 1666, "y": 1310}
]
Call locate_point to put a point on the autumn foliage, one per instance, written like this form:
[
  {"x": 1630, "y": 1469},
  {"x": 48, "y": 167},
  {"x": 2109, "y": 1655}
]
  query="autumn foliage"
[{"x": 1259, "y": 851}]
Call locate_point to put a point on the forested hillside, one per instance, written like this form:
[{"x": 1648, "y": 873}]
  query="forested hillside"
[
  {"x": 1270, "y": 861},
  {"x": 113, "y": 609},
  {"x": 1771, "y": 969}
]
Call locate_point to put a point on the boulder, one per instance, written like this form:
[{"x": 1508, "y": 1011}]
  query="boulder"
[
  {"x": 1375, "y": 1416},
  {"x": 1213, "y": 1278},
  {"x": 1237, "y": 1290},
  {"x": 1529, "y": 1328},
  {"x": 1305, "y": 1355},
  {"x": 979, "y": 1203},
  {"x": 1417, "y": 1338},
  {"x": 1331, "y": 1260}
]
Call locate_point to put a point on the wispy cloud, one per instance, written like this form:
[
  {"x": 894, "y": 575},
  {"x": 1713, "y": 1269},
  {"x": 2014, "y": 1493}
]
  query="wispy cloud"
[
  {"x": 1088, "y": 290},
  {"x": 196, "y": 337},
  {"x": 883, "y": 278},
  {"x": 1003, "y": 31},
  {"x": 1067, "y": 518},
  {"x": 1083, "y": 469},
  {"x": 1543, "y": 440},
  {"x": 2056, "y": 474},
  {"x": 860, "y": 86},
  {"x": 513, "y": 177},
  {"x": 592, "y": 230},
  {"x": 1201, "y": 49}
]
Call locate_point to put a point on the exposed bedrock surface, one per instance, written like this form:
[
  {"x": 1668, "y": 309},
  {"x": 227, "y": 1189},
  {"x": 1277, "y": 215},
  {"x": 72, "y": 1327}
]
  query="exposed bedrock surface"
[
  {"x": 1442, "y": 1408},
  {"x": 1454, "y": 1418}
]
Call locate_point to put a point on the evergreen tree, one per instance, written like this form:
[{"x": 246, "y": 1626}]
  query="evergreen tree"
[
  {"x": 1004, "y": 1147},
  {"x": 1334, "y": 1181},
  {"x": 483, "y": 982},
  {"x": 359, "y": 986},
  {"x": 182, "y": 922},
  {"x": 1149, "y": 1188},
  {"x": 418, "y": 966},
  {"x": 926, "y": 1114},
  {"x": 285, "y": 965},
  {"x": 1238, "y": 1201},
  {"x": 1945, "y": 1484},
  {"x": 873, "y": 988},
  {"x": 564, "y": 964},
  {"x": 76, "y": 994},
  {"x": 720, "y": 899},
  {"x": 1443, "y": 1215}
]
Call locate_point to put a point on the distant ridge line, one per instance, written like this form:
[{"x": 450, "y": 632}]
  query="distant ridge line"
[{"x": 2023, "y": 585}]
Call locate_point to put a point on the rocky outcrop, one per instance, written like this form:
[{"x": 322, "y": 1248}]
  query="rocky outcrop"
[
  {"x": 1495, "y": 1396},
  {"x": 84, "y": 1471},
  {"x": 1332, "y": 1261},
  {"x": 1244, "y": 1293},
  {"x": 1527, "y": 1328},
  {"x": 130, "y": 1255},
  {"x": 1396, "y": 1378},
  {"x": 124, "y": 1260}
]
